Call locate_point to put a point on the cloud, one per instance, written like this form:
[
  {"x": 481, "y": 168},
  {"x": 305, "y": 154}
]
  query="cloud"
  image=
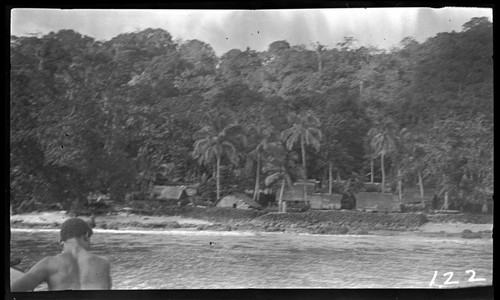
[
  {"x": 225, "y": 30},
  {"x": 241, "y": 29}
]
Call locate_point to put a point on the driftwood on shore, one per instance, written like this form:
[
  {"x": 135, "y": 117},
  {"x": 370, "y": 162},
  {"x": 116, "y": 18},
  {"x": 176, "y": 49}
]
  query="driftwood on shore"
[
  {"x": 447, "y": 211},
  {"x": 131, "y": 210}
]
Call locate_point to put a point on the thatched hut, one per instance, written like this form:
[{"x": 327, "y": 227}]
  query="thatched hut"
[
  {"x": 294, "y": 195},
  {"x": 325, "y": 201},
  {"x": 237, "y": 200},
  {"x": 382, "y": 202},
  {"x": 170, "y": 192}
]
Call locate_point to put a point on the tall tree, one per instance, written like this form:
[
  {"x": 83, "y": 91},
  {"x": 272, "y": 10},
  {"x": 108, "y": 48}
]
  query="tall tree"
[
  {"x": 412, "y": 160},
  {"x": 403, "y": 144},
  {"x": 461, "y": 152},
  {"x": 215, "y": 141},
  {"x": 280, "y": 169},
  {"x": 383, "y": 142},
  {"x": 304, "y": 131},
  {"x": 260, "y": 138},
  {"x": 239, "y": 66}
]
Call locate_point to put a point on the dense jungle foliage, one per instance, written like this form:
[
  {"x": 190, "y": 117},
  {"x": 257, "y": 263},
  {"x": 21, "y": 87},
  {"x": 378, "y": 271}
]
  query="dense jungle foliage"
[{"x": 113, "y": 116}]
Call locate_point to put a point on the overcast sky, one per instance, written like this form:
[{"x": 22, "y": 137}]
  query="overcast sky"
[{"x": 228, "y": 29}]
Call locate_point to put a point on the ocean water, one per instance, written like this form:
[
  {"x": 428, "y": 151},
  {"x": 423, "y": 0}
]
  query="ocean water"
[{"x": 233, "y": 260}]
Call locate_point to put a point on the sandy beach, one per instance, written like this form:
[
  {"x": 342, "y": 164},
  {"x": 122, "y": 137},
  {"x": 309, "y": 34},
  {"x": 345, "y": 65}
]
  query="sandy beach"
[
  {"x": 124, "y": 221},
  {"x": 61, "y": 216},
  {"x": 454, "y": 227}
]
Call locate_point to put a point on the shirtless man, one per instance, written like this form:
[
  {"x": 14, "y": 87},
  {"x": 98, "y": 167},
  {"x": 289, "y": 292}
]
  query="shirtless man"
[{"x": 75, "y": 268}]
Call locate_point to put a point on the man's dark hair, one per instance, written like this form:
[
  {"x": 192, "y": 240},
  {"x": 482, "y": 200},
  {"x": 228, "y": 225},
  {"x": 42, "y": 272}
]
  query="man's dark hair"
[{"x": 74, "y": 228}]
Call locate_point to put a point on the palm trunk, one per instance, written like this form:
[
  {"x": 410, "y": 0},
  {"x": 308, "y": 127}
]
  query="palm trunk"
[
  {"x": 421, "y": 186},
  {"x": 484, "y": 208},
  {"x": 280, "y": 199},
  {"x": 303, "y": 148},
  {"x": 445, "y": 204},
  {"x": 257, "y": 180},
  {"x": 150, "y": 185},
  {"x": 324, "y": 178},
  {"x": 400, "y": 186},
  {"x": 330, "y": 185},
  {"x": 371, "y": 170},
  {"x": 218, "y": 178},
  {"x": 320, "y": 62},
  {"x": 383, "y": 172}
]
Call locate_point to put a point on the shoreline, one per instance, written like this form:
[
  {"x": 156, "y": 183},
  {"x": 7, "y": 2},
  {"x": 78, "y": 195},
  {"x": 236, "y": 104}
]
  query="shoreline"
[
  {"x": 277, "y": 223},
  {"x": 381, "y": 233}
]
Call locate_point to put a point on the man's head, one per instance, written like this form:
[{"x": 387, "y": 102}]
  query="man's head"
[{"x": 76, "y": 228}]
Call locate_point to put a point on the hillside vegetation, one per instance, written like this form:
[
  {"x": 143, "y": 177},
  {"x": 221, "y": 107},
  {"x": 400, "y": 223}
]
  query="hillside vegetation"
[{"x": 113, "y": 116}]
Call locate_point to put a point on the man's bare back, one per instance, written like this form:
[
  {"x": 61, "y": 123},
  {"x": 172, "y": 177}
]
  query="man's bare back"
[
  {"x": 78, "y": 271},
  {"x": 74, "y": 269}
]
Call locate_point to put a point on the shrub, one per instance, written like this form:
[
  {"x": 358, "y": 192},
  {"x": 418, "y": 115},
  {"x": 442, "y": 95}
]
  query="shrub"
[{"x": 348, "y": 200}]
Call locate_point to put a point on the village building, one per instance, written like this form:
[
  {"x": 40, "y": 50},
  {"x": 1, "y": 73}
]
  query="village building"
[
  {"x": 294, "y": 196},
  {"x": 317, "y": 198},
  {"x": 239, "y": 201},
  {"x": 412, "y": 195},
  {"x": 325, "y": 201},
  {"x": 170, "y": 193},
  {"x": 377, "y": 202}
]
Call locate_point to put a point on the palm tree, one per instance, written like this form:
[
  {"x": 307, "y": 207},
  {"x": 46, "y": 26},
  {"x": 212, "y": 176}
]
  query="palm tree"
[
  {"x": 280, "y": 167},
  {"x": 382, "y": 141},
  {"x": 368, "y": 148},
  {"x": 304, "y": 131},
  {"x": 214, "y": 141},
  {"x": 413, "y": 160},
  {"x": 403, "y": 143},
  {"x": 260, "y": 137}
]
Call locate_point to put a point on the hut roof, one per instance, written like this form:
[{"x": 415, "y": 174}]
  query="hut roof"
[
  {"x": 170, "y": 192},
  {"x": 296, "y": 192},
  {"x": 327, "y": 197},
  {"x": 326, "y": 201},
  {"x": 244, "y": 198},
  {"x": 377, "y": 201},
  {"x": 300, "y": 182},
  {"x": 294, "y": 195}
]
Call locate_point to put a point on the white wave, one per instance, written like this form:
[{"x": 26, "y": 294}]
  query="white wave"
[{"x": 152, "y": 232}]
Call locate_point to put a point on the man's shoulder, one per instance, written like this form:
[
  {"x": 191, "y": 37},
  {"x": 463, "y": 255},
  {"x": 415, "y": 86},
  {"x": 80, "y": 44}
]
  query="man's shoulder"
[
  {"x": 99, "y": 259},
  {"x": 49, "y": 263},
  {"x": 58, "y": 260},
  {"x": 49, "y": 260}
]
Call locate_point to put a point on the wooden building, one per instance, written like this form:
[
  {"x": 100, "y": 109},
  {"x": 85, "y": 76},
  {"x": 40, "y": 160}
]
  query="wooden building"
[
  {"x": 380, "y": 202},
  {"x": 294, "y": 196},
  {"x": 326, "y": 201},
  {"x": 170, "y": 193},
  {"x": 239, "y": 201},
  {"x": 412, "y": 195}
]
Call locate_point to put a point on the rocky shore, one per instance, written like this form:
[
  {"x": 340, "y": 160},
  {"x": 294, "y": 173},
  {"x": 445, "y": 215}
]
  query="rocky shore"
[{"x": 311, "y": 222}]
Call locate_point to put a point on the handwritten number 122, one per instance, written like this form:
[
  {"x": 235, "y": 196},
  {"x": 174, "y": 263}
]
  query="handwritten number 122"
[{"x": 472, "y": 278}]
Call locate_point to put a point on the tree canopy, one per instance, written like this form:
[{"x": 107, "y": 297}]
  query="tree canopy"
[{"x": 104, "y": 116}]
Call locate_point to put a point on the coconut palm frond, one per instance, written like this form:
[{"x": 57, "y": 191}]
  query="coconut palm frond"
[
  {"x": 272, "y": 178},
  {"x": 230, "y": 150}
]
